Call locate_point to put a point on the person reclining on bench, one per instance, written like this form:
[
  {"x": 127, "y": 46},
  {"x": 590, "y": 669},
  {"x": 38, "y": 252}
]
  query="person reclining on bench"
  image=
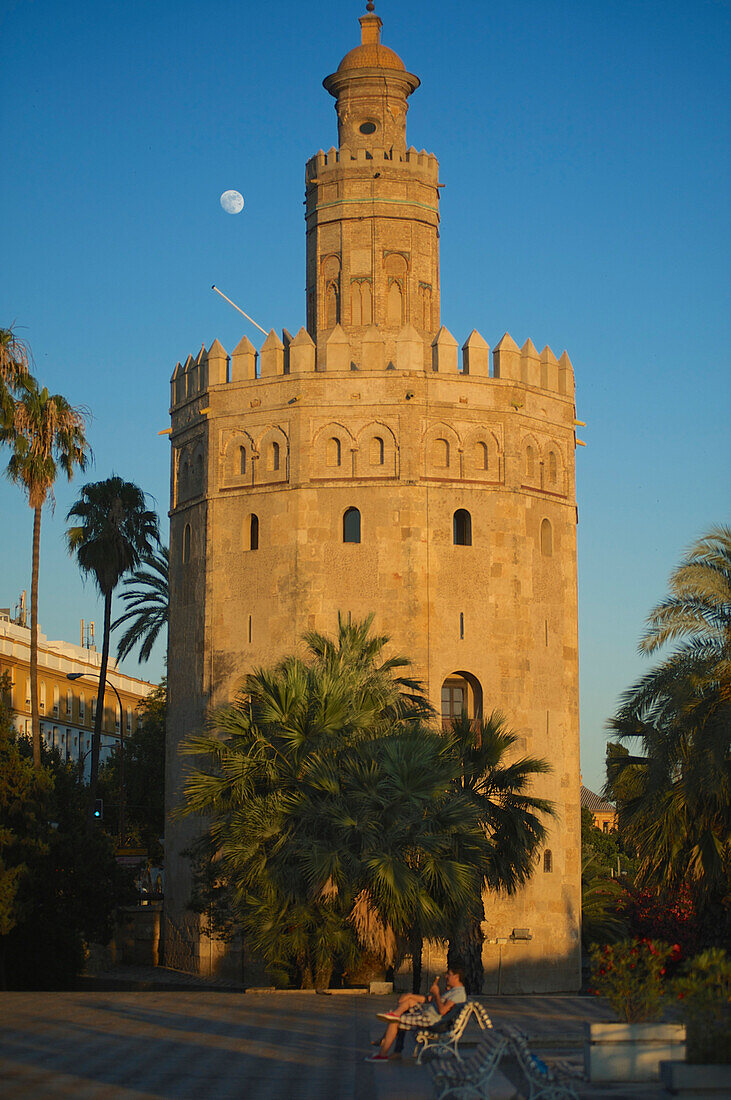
[{"x": 422, "y": 1011}]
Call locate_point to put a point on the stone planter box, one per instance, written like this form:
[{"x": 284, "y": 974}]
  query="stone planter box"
[
  {"x": 681, "y": 1079},
  {"x": 630, "y": 1052}
]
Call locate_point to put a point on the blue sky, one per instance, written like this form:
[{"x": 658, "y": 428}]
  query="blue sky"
[{"x": 585, "y": 152}]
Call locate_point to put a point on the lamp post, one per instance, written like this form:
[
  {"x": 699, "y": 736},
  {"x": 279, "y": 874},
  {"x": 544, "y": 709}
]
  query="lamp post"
[{"x": 120, "y": 814}]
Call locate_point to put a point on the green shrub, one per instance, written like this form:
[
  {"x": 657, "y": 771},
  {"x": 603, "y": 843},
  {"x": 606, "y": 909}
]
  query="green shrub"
[{"x": 703, "y": 991}]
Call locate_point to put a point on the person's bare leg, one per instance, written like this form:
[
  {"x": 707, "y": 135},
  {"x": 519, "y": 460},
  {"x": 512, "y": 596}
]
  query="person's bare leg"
[
  {"x": 388, "y": 1038},
  {"x": 407, "y": 1001}
]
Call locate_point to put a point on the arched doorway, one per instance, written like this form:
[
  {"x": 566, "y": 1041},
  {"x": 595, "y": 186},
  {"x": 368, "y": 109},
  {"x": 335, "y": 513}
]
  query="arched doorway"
[{"x": 461, "y": 691}]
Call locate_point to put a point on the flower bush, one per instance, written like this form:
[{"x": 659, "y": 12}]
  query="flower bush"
[
  {"x": 631, "y": 976},
  {"x": 703, "y": 998}
]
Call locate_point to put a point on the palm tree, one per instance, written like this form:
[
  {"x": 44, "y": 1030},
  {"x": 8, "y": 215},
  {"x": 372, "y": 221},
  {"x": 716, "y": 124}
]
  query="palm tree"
[
  {"x": 508, "y": 814},
  {"x": 674, "y": 798},
  {"x": 332, "y": 824},
  {"x": 146, "y": 597},
  {"x": 115, "y": 531},
  {"x": 46, "y": 434}
]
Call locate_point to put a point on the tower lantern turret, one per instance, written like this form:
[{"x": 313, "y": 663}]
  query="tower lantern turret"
[
  {"x": 371, "y": 87},
  {"x": 372, "y": 208}
]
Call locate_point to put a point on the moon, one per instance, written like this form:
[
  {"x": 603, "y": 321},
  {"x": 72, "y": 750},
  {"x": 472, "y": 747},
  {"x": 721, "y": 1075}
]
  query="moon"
[{"x": 232, "y": 202}]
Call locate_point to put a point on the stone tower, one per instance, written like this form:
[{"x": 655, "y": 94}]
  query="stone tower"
[{"x": 368, "y": 464}]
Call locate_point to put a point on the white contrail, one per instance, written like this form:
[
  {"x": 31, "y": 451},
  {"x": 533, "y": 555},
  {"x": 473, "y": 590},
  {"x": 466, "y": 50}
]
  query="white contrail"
[{"x": 246, "y": 315}]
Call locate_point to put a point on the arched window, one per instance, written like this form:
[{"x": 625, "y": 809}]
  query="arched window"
[
  {"x": 462, "y": 528},
  {"x": 547, "y": 861},
  {"x": 69, "y": 702},
  {"x": 441, "y": 453},
  {"x": 274, "y": 456},
  {"x": 530, "y": 461},
  {"x": 242, "y": 460},
  {"x": 546, "y": 538},
  {"x": 552, "y": 468},
  {"x": 253, "y": 532},
  {"x": 186, "y": 544},
  {"x": 333, "y": 452},
  {"x": 56, "y": 697},
  {"x": 481, "y": 456},
  {"x": 42, "y": 703},
  {"x": 377, "y": 451},
  {"x": 351, "y": 525}
]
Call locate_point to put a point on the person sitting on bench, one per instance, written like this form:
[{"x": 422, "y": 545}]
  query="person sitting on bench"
[{"x": 423, "y": 1011}]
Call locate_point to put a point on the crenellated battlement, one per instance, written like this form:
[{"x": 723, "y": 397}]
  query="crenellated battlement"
[
  {"x": 424, "y": 164},
  {"x": 288, "y": 356}
]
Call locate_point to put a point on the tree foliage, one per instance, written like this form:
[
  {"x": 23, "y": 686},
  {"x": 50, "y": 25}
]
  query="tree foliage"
[
  {"x": 674, "y": 796},
  {"x": 144, "y": 777},
  {"x": 335, "y": 822}
]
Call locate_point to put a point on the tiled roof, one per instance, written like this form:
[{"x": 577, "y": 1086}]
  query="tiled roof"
[{"x": 595, "y": 802}]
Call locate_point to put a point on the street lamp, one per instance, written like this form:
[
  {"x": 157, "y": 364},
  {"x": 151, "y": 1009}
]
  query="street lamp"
[{"x": 108, "y": 683}]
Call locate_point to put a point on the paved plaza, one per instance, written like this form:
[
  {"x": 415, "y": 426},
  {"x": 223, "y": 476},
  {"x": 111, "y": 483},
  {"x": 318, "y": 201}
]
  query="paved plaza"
[{"x": 218, "y": 1045}]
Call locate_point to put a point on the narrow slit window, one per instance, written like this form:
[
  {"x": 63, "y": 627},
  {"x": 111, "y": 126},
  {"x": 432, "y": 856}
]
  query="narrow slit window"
[
  {"x": 186, "y": 544},
  {"x": 481, "y": 456},
  {"x": 530, "y": 461},
  {"x": 242, "y": 460},
  {"x": 552, "y": 468},
  {"x": 546, "y": 538},
  {"x": 461, "y": 624},
  {"x": 253, "y": 532},
  {"x": 249, "y": 629},
  {"x": 548, "y": 861},
  {"x": 351, "y": 525},
  {"x": 462, "y": 528},
  {"x": 274, "y": 456}
]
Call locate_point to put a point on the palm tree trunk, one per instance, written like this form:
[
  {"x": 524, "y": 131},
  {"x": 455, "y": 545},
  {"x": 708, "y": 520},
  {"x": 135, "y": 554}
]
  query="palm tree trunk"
[
  {"x": 34, "y": 715},
  {"x": 97, "y": 735},
  {"x": 416, "y": 943},
  {"x": 466, "y": 945}
]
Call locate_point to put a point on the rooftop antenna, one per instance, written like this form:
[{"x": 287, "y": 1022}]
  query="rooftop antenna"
[{"x": 246, "y": 315}]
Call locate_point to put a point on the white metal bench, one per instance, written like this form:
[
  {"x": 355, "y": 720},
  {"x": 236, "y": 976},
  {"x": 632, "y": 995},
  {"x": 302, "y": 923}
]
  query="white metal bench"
[
  {"x": 543, "y": 1082},
  {"x": 443, "y": 1037},
  {"x": 470, "y": 1079}
]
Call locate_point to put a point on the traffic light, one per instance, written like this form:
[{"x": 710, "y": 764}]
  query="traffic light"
[{"x": 98, "y": 809}]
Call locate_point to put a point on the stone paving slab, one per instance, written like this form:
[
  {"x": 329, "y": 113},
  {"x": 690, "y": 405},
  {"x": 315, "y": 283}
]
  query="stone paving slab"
[{"x": 212, "y": 1045}]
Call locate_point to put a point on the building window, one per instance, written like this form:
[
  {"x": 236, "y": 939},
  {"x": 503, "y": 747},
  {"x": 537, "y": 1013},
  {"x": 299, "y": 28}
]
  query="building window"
[
  {"x": 129, "y": 719},
  {"x": 333, "y": 452},
  {"x": 242, "y": 460},
  {"x": 547, "y": 861},
  {"x": 56, "y": 700},
  {"x": 552, "y": 468},
  {"x": 274, "y": 456},
  {"x": 530, "y": 461},
  {"x": 117, "y": 718},
  {"x": 69, "y": 703},
  {"x": 462, "y": 528},
  {"x": 42, "y": 703},
  {"x": 253, "y": 532},
  {"x": 351, "y": 525},
  {"x": 82, "y": 707},
  {"x": 461, "y": 624},
  {"x": 186, "y": 544},
  {"x": 395, "y": 304},
  {"x": 546, "y": 538},
  {"x": 377, "y": 451},
  {"x": 454, "y": 699},
  {"x": 332, "y": 305},
  {"x": 93, "y": 709}
]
